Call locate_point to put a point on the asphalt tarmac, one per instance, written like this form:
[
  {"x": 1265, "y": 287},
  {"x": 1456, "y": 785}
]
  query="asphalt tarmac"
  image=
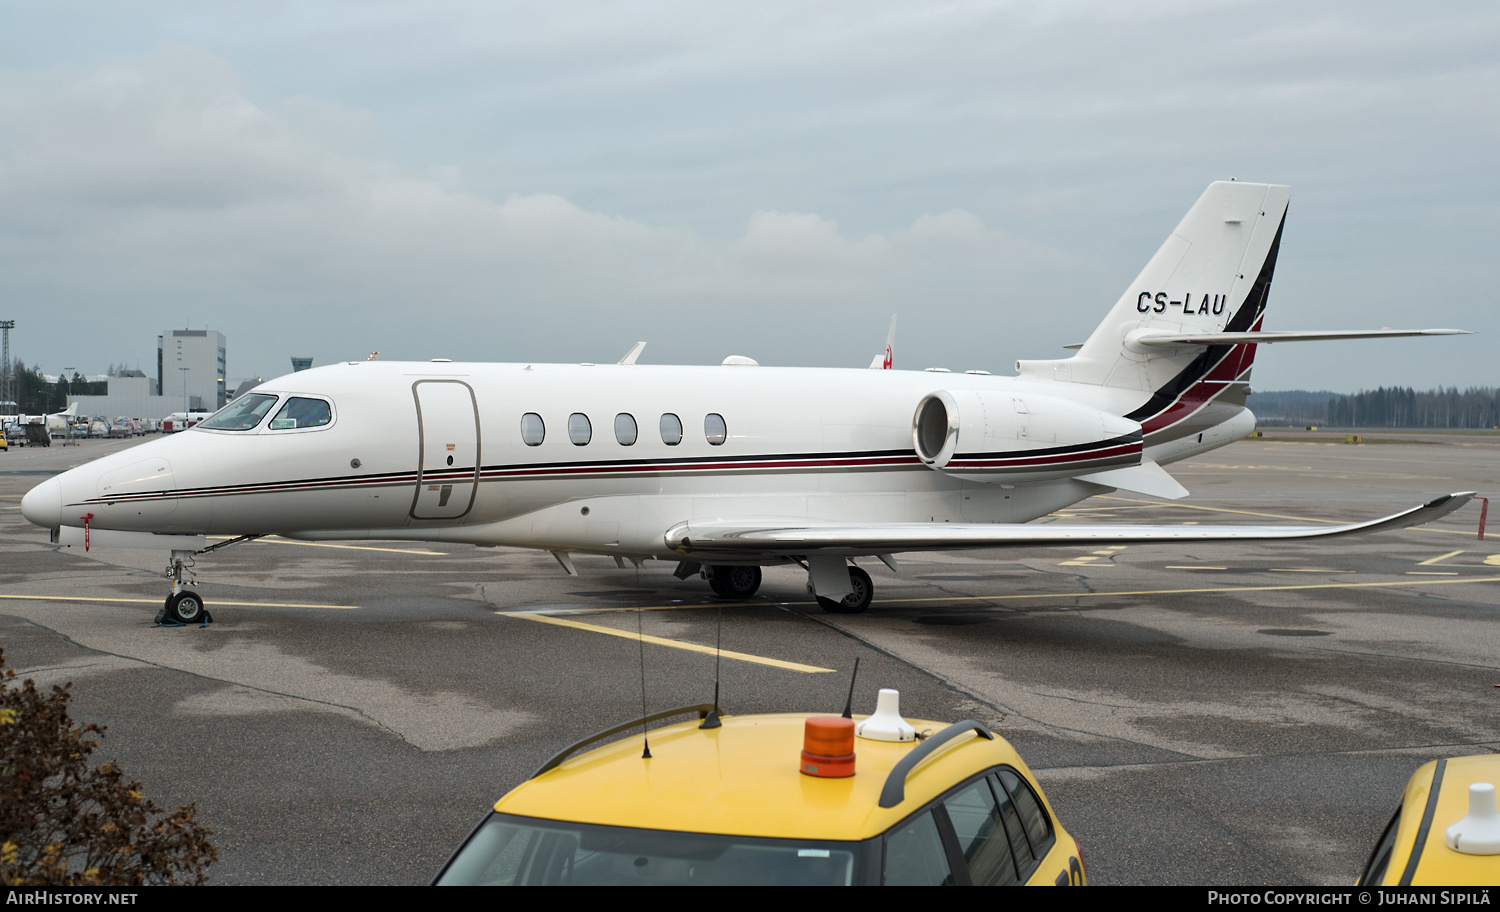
[{"x": 1200, "y": 714}]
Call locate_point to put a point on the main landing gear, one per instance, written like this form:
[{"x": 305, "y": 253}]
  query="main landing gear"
[
  {"x": 824, "y": 574},
  {"x": 856, "y": 602},
  {"x": 734, "y": 582},
  {"x": 184, "y": 606}
]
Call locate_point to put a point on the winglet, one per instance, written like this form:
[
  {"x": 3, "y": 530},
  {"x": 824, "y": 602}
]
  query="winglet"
[
  {"x": 883, "y": 360},
  {"x": 634, "y": 353}
]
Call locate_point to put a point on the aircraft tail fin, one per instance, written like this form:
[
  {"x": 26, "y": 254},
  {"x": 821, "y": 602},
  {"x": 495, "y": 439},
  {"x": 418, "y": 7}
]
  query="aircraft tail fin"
[
  {"x": 884, "y": 360},
  {"x": 1212, "y": 275}
]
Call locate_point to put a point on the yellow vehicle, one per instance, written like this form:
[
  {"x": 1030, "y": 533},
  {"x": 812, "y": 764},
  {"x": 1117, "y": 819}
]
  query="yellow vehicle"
[
  {"x": 1446, "y": 831},
  {"x": 756, "y": 800}
]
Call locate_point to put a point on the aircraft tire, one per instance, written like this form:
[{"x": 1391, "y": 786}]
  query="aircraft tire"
[
  {"x": 185, "y": 607},
  {"x": 856, "y": 602},
  {"x": 735, "y": 582}
]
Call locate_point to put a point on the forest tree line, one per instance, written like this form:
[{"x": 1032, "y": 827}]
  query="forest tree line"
[
  {"x": 35, "y": 396},
  {"x": 1475, "y": 407}
]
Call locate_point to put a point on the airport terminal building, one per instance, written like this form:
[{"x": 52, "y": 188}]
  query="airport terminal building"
[{"x": 189, "y": 377}]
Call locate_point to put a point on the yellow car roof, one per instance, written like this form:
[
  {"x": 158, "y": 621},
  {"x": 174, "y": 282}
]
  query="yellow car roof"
[
  {"x": 1439, "y": 865},
  {"x": 744, "y": 779}
]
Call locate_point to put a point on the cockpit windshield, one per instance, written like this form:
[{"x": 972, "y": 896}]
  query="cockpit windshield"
[
  {"x": 302, "y": 413},
  {"x": 242, "y": 414}
]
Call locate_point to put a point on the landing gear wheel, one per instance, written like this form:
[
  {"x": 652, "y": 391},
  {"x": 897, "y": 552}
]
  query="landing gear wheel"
[
  {"x": 855, "y": 602},
  {"x": 186, "y": 607},
  {"x": 734, "y": 582}
]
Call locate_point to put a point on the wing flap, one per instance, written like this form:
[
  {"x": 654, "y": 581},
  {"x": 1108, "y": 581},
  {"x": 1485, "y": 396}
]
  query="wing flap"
[{"x": 801, "y": 537}]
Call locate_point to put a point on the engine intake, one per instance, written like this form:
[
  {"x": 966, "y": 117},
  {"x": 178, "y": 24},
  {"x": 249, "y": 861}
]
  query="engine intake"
[{"x": 1013, "y": 438}]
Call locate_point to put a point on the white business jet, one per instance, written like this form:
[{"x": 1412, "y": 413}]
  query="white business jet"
[{"x": 729, "y": 468}]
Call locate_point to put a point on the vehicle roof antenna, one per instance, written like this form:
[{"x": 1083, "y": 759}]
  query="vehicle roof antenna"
[
  {"x": 712, "y": 719},
  {"x": 849, "y": 703},
  {"x": 640, "y": 636}
]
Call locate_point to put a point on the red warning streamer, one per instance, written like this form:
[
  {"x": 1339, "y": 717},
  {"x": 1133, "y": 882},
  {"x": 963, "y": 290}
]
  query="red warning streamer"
[
  {"x": 91, "y": 516},
  {"x": 1484, "y": 510}
]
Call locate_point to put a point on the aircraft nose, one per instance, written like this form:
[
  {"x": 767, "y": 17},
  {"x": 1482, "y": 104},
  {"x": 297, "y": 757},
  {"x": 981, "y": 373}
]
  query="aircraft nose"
[{"x": 42, "y": 505}]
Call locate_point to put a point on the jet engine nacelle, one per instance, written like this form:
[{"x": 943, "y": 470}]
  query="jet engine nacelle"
[{"x": 1017, "y": 438}]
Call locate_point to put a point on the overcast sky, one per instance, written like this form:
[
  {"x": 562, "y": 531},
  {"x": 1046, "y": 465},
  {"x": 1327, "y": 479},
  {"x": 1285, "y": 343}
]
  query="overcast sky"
[{"x": 554, "y": 181}]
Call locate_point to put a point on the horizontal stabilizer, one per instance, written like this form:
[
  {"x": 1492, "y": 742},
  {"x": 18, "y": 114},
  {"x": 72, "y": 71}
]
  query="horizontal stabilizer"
[
  {"x": 762, "y": 537},
  {"x": 1161, "y": 339},
  {"x": 1147, "y": 478}
]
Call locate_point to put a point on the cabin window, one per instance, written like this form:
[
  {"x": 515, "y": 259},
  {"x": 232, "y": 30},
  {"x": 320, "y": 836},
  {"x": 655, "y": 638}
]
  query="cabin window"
[
  {"x": 242, "y": 414},
  {"x": 579, "y": 429},
  {"x": 625, "y": 429},
  {"x": 533, "y": 431},
  {"x": 714, "y": 429},
  {"x": 671, "y": 429},
  {"x": 301, "y": 413}
]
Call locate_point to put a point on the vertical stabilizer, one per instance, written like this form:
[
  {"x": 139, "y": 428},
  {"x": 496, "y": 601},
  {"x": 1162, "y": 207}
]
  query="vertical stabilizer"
[{"x": 1213, "y": 274}]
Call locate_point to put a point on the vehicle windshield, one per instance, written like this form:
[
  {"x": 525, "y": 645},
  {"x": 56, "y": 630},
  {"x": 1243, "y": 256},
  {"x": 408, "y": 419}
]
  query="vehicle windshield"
[
  {"x": 524, "y": 851},
  {"x": 242, "y": 414}
]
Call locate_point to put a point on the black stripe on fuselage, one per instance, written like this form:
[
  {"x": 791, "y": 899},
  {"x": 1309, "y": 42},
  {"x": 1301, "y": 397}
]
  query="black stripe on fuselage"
[{"x": 790, "y": 463}]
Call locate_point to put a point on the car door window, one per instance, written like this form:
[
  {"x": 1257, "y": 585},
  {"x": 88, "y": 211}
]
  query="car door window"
[
  {"x": 1020, "y": 846},
  {"x": 914, "y": 855},
  {"x": 1029, "y": 808},
  {"x": 981, "y": 836}
]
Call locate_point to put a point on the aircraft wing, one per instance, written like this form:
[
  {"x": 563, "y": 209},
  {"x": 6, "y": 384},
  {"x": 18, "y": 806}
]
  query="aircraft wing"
[{"x": 759, "y": 537}]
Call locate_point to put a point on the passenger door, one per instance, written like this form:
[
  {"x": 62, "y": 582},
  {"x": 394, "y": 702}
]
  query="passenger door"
[{"x": 448, "y": 448}]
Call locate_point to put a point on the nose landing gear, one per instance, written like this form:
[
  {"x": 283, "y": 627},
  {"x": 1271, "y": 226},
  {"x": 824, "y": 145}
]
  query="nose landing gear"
[{"x": 184, "y": 606}]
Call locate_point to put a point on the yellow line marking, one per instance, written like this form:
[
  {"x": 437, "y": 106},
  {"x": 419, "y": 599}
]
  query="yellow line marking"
[
  {"x": 1435, "y": 560},
  {"x": 1177, "y": 567},
  {"x": 278, "y": 540},
  {"x": 1042, "y": 595},
  {"x": 1432, "y": 573},
  {"x": 675, "y": 644},
  {"x": 216, "y": 604}
]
